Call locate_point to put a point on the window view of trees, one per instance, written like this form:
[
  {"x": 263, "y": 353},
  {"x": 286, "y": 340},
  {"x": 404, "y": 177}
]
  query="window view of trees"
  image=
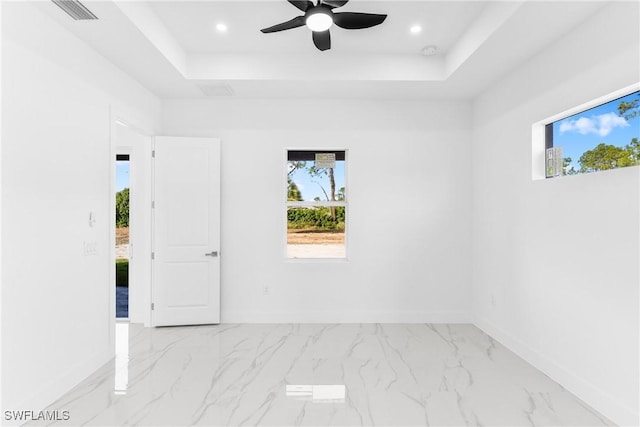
[
  {"x": 122, "y": 208},
  {"x": 316, "y": 207},
  {"x": 602, "y": 138}
]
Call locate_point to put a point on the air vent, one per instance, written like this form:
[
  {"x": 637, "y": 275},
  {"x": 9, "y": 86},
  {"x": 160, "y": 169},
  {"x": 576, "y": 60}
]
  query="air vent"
[
  {"x": 217, "y": 90},
  {"x": 75, "y": 9}
]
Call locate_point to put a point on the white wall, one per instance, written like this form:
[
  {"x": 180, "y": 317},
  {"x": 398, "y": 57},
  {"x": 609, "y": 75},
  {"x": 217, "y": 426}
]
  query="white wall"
[
  {"x": 556, "y": 262},
  {"x": 409, "y": 221},
  {"x": 57, "y": 96}
]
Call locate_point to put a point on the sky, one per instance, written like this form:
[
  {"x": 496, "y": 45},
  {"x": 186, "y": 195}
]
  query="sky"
[
  {"x": 584, "y": 131},
  {"x": 310, "y": 187},
  {"x": 122, "y": 175}
]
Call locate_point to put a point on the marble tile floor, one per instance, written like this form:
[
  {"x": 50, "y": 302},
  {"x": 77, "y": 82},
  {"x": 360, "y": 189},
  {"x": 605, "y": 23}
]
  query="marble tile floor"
[{"x": 319, "y": 375}]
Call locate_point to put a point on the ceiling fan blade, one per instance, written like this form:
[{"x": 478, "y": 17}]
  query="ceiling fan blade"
[
  {"x": 335, "y": 3},
  {"x": 356, "y": 21},
  {"x": 303, "y": 5},
  {"x": 294, "y": 23},
  {"x": 322, "y": 40}
]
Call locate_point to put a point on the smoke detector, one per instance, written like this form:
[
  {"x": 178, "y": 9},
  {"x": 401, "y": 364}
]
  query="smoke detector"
[{"x": 430, "y": 50}]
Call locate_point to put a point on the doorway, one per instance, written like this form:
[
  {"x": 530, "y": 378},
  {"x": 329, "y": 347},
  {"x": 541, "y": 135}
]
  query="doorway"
[
  {"x": 131, "y": 254},
  {"x": 122, "y": 198}
]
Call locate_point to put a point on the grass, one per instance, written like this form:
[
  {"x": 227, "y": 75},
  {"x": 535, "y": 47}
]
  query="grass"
[{"x": 122, "y": 272}]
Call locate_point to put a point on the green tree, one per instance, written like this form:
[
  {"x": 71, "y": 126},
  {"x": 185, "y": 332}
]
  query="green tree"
[
  {"x": 294, "y": 165},
  {"x": 331, "y": 196},
  {"x": 565, "y": 167},
  {"x": 293, "y": 192},
  {"x": 605, "y": 157},
  {"x": 630, "y": 109},
  {"x": 634, "y": 150},
  {"x": 122, "y": 208},
  {"x": 315, "y": 172}
]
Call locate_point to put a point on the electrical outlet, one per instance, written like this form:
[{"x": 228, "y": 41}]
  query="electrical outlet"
[
  {"x": 89, "y": 248},
  {"x": 266, "y": 290}
]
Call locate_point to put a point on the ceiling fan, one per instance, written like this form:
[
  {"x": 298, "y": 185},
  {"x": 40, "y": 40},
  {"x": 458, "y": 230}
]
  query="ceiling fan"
[{"x": 320, "y": 17}]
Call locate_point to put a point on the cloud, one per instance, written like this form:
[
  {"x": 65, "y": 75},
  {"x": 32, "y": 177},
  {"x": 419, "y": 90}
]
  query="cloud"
[{"x": 601, "y": 125}]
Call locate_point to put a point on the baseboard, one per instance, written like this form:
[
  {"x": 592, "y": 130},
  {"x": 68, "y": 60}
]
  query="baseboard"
[
  {"x": 62, "y": 384},
  {"x": 347, "y": 317},
  {"x": 601, "y": 402}
]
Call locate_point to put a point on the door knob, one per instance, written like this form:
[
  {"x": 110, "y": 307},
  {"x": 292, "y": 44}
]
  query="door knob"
[{"x": 212, "y": 254}]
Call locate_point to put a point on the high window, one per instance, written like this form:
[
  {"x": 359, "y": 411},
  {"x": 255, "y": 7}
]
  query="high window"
[
  {"x": 606, "y": 136},
  {"x": 316, "y": 207}
]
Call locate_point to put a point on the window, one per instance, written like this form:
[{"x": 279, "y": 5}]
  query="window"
[
  {"x": 316, "y": 208},
  {"x": 603, "y": 137}
]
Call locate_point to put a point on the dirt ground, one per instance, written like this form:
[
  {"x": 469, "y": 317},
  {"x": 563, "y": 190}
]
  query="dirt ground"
[
  {"x": 293, "y": 237},
  {"x": 308, "y": 238},
  {"x": 122, "y": 235}
]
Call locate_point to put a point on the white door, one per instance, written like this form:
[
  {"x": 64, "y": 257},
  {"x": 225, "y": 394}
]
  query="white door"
[{"x": 186, "y": 262}]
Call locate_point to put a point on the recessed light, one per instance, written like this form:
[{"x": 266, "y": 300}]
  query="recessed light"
[
  {"x": 416, "y": 29},
  {"x": 222, "y": 28}
]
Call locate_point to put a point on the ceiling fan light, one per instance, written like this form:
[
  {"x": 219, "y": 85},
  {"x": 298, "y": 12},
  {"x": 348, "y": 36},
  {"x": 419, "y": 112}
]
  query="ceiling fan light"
[{"x": 319, "y": 21}]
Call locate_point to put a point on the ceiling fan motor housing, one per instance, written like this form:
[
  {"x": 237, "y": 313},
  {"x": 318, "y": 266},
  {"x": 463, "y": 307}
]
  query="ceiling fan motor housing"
[{"x": 319, "y": 18}]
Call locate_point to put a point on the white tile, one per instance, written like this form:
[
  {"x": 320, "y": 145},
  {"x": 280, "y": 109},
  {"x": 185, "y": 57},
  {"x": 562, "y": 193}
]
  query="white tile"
[{"x": 369, "y": 374}]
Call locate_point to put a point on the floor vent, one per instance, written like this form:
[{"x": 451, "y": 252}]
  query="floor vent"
[
  {"x": 75, "y": 9},
  {"x": 217, "y": 90}
]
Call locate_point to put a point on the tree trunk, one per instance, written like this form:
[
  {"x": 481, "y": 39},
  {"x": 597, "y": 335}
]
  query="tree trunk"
[{"x": 332, "y": 180}]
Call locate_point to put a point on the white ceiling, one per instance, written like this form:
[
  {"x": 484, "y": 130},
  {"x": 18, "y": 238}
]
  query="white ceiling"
[
  {"x": 193, "y": 26},
  {"x": 173, "y": 48}
]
